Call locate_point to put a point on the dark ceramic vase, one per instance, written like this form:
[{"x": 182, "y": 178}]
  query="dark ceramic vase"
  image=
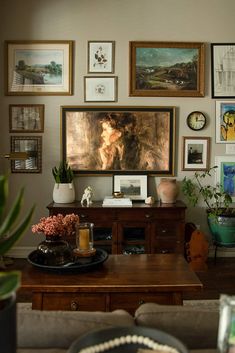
[
  {"x": 8, "y": 325},
  {"x": 54, "y": 251}
]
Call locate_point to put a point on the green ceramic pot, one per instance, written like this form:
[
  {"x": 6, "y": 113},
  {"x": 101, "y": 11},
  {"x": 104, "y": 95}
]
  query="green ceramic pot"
[{"x": 223, "y": 230}]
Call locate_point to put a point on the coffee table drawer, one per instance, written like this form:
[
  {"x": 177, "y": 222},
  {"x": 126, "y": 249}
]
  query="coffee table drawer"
[
  {"x": 73, "y": 301},
  {"x": 131, "y": 301}
]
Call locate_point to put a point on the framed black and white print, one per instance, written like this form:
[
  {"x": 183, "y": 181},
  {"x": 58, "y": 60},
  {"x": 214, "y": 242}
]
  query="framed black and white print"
[
  {"x": 196, "y": 152},
  {"x": 26, "y": 118},
  {"x": 223, "y": 70},
  {"x": 132, "y": 186},
  {"x": 101, "y": 56},
  {"x": 100, "y": 89},
  {"x": 32, "y": 145}
]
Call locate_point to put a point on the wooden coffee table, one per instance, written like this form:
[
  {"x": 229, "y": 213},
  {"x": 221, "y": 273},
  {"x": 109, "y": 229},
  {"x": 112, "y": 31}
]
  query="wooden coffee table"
[{"x": 122, "y": 282}]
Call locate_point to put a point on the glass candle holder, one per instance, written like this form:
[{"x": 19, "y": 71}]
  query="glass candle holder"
[{"x": 84, "y": 237}]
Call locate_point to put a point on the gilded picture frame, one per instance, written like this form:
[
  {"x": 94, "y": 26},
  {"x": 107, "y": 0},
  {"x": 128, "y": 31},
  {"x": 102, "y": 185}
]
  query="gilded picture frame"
[
  {"x": 119, "y": 139},
  {"x": 167, "y": 69}
]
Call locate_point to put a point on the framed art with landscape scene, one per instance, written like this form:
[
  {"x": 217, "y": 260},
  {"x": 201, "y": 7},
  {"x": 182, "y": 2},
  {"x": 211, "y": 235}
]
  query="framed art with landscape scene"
[
  {"x": 196, "y": 152},
  {"x": 119, "y": 140},
  {"x": 38, "y": 67},
  {"x": 167, "y": 69},
  {"x": 132, "y": 186}
]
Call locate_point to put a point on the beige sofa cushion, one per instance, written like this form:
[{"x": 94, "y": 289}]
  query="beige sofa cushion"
[
  {"x": 58, "y": 329},
  {"x": 196, "y": 328}
]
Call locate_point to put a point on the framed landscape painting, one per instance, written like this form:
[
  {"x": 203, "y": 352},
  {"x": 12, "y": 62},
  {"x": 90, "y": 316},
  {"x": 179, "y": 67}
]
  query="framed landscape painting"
[
  {"x": 133, "y": 186},
  {"x": 38, "y": 67},
  {"x": 119, "y": 140},
  {"x": 167, "y": 69}
]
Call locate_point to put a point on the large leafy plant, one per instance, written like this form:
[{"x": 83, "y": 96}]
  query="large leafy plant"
[
  {"x": 63, "y": 174},
  {"x": 216, "y": 200},
  {"x": 10, "y": 232}
]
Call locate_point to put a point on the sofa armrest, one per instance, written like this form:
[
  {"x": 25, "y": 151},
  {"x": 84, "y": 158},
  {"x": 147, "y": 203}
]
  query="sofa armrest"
[{"x": 197, "y": 328}]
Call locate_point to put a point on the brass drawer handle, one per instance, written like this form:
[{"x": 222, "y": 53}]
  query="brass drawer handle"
[
  {"x": 82, "y": 215},
  {"x": 147, "y": 215},
  {"x": 74, "y": 306},
  {"x": 141, "y": 301},
  {"x": 164, "y": 251}
]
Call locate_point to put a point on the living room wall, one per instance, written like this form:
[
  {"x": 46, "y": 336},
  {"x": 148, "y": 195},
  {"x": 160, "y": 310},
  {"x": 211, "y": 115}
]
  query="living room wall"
[{"x": 210, "y": 21}]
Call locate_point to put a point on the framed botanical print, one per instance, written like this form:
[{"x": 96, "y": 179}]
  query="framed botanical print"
[
  {"x": 196, "y": 152},
  {"x": 119, "y": 140},
  {"x": 32, "y": 145},
  {"x": 225, "y": 121},
  {"x": 100, "y": 89},
  {"x": 26, "y": 118},
  {"x": 39, "y": 67},
  {"x": 167, "y": 69},
  {"x": 101, "y": 56}
]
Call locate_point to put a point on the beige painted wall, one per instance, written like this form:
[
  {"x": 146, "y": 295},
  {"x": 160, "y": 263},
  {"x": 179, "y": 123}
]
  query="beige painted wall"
[{"x": 122, "y": 21}]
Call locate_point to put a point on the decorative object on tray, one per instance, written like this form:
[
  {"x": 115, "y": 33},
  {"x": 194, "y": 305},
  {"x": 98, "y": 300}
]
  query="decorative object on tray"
[
  {"x": 54, "y": 250},
  {"x": 168, "y": 190},
  {"x": 118, "y": 194},
  {"x": 149, "y": 200},
  {"x": 127, "y": 339},
  {"x": 76, "y": 265},
  {"x": 115, "y": 201},
  {"x": 84, "y": 241},
  {"x": 87, "y": 196},
  {"x": 64, "y": 191}
]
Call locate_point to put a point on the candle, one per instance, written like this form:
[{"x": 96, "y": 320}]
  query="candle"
[{"x": 84, "y": 238}]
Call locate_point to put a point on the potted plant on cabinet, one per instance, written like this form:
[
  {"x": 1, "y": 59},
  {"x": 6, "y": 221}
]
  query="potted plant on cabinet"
[
  {"x": 9, "y": 280},
  {"x": 63, "y": 191},
  {"x": 220, "y": 213}
]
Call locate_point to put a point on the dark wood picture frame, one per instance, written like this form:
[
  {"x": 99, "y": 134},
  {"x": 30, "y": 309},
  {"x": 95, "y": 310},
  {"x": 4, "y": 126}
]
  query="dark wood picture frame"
[
  {"x": 167, "y": 69},
  {"x": 196, "y": 153},
  {"x": 32, "y": 145},
  {"x": 119, "y": 140},
  {"x": 26, "y": 118}
]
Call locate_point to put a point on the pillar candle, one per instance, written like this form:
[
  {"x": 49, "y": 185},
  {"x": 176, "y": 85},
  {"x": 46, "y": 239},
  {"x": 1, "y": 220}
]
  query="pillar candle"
[{"x": 84, "y": 236}]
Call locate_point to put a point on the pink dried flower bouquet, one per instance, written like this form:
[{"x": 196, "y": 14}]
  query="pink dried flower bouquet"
[{"x": 58, "y": 225}]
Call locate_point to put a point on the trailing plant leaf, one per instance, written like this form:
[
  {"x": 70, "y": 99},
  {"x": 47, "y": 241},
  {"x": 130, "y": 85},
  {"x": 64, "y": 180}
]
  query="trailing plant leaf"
[{"x": 9, "y": 283}]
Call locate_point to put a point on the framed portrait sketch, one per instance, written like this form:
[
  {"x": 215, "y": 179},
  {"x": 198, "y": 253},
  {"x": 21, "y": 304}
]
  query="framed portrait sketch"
[
  {"x": 225, "y": 174},
  {"x": 100, "y": 89},
  {"x": 167, "y": 69},
  {"x": 222, "y": 70},
  {"x": 26, "y": 118},
  {"x": 196, "y": 152},
  {"x": 101, "y": 56},
  {"x": 225, "y": 121},
  {"x": 132, "y": 186},
  {"x": 226, "y": 330},
  {"x": 32, "y": 145},
  {"x": 119, "y": 140},
  {"x": 38, "y": 67}
]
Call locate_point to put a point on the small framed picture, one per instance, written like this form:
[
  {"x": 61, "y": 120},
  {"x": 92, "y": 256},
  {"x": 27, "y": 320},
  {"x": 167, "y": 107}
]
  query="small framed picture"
[
  {"x": 26, "y": 117},
  {"x": 225, "y": 174},
  {"x": 32, "y": 145},
  {"x": 222, "y": 70},
  {"x": 100, "y": 89},
  {"x": 196, "y": 152},
  {"x": 225, "y": 121},
  {"x": 101, "y": 56},
  {"x": 226, "y": 331},
  {"x": 132, "y": 186}
]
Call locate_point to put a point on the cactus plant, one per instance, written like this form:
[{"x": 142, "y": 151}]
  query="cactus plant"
[
  {"x": 63, "y": 174},
  {"x": 9, "y": 234}
]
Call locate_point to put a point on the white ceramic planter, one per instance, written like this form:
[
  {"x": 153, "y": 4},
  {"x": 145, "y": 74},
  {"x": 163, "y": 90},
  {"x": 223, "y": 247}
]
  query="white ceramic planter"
[{"x": 64, "y": 193}]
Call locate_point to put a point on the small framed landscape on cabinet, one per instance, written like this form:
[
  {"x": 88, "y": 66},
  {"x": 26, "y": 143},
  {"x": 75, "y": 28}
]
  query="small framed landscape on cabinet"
[
  {"x": 132, "y": 186},
  {"x": 196, "y": 152},
  {"x": 32, "y": 145},
  {"x": 101, "y": 56},
  {"x": 26, "y": 118}
]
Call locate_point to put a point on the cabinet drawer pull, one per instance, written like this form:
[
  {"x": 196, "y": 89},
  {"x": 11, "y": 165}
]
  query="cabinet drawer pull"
[
  {"x": 82, "y": 215},
  {"x": 74, "y": 306},
  {"x": 141, "y": 301},
  {"x": 147, "y": 215},
  {"x": 164, "y": 251}
]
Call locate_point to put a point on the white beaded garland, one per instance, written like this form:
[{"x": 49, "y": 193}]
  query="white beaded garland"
[{"x": 127, "y": 340}]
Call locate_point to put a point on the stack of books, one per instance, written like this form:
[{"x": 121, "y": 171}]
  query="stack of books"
[{"x": 113, "y": 201}]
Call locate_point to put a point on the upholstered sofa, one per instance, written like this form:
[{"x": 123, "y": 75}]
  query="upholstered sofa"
[{"x": 54, "y": 331}]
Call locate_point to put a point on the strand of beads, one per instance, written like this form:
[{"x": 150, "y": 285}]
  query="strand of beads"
[{"x": 134, "y": 339}]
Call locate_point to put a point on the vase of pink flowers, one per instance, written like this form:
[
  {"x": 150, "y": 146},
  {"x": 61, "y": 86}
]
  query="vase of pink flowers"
[{"x": 55, "y": 250}]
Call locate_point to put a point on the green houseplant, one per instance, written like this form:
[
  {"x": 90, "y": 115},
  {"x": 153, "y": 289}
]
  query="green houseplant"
[
  {"x": 220, "y": 214},
  {"x": 10, "y": 232},
  {"x": 63, "y": 191}
]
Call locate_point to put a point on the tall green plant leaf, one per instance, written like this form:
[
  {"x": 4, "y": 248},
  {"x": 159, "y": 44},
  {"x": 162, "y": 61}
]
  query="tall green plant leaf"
[
  {"x": 3, "y": 193},
  {"x": 9, "y": 283}
]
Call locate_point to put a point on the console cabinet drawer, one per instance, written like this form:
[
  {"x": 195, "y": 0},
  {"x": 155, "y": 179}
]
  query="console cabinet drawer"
[{"x": 74, "y": 301}]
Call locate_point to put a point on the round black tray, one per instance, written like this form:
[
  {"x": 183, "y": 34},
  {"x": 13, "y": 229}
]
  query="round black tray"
[
  {"x": 104, "y": 335},
  {"x": 76, "y": 266}
]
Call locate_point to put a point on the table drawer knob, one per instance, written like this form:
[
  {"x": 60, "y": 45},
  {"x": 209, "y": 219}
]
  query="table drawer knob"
[
  {"x": 141, "y": 301},
  {"x": 147, "y": 215},
  {"x": 74, "y": 306}
]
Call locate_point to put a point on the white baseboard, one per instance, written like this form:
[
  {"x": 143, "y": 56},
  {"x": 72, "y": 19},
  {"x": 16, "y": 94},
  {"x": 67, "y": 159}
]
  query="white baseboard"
[{"x": 24, "y": 251}]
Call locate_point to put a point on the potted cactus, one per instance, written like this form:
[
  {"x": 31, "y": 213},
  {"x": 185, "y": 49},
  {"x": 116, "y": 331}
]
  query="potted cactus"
[
  {"x": 9, "y": 280},
  {"x": 63, "y": 191}
]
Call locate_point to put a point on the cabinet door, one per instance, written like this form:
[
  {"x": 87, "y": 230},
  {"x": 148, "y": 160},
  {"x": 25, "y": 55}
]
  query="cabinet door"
[
  {"x": 168, "y": 237},
  {"x": 133, "y": 237}
]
